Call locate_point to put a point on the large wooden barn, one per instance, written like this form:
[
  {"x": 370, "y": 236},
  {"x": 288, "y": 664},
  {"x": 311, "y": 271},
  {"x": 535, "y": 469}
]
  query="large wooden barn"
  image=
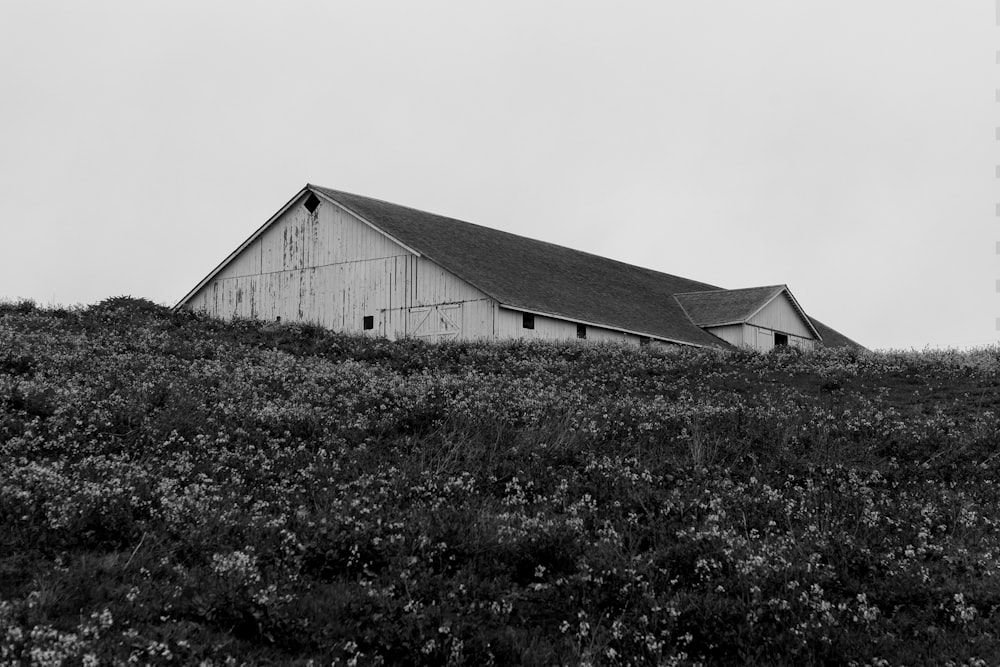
[{"x": 357, "y": 264}]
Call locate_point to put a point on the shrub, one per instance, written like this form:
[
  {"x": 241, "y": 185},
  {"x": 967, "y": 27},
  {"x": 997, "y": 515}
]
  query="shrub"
[{"x": 179, "y": 489}]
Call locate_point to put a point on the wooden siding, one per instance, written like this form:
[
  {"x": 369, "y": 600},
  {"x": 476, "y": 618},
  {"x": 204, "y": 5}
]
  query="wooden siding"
[
  {"x": 436, "y": 285},
  {"x": 328, "y": 236},
  {"x": 299, "y": 239},
  {"x": 247, "y": 263},
  {"x": 510, "y": 325},
  {"x": 756, "y": 338},
  {"x": 443, "y": 306},
  {"x": 478, "y": 319},
  {"x": 331, "y": 269},
  {"x": 765, "y": 339},
  {"x": 325, "y": 267},
  {"x": 802, "y": 343},
  {"x": 731, "y": 333},
  {"x": 781, "y": 315},
  {"x": 337, "y": 296}
]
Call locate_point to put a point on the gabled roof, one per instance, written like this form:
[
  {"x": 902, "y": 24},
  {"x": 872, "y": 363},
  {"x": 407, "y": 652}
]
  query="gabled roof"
[
  {"x": 735, "y": 306},
  {"x": 726, "y": 306},
  {"x": 533, "y": 276}
]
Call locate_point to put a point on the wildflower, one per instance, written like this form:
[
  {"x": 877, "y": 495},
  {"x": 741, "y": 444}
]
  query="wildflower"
[{"x": 963, "y": 612}]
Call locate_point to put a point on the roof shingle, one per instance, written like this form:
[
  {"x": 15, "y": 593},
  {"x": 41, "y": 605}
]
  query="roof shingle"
[{"x": 716, "y": 307}]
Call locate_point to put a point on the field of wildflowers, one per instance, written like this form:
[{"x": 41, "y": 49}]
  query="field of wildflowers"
[{"x": 177, "y": 490}]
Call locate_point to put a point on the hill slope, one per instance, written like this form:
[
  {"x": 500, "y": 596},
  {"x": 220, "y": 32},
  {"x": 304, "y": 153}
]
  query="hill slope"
[{"x": 180, "y": 490}]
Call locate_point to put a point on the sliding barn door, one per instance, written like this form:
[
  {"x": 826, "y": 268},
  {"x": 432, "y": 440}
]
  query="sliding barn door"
[{"x": 434, "y": 323}]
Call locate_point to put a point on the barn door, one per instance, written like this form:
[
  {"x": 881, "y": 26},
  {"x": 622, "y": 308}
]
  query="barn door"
[
  {"x": 765, "y": 340},
  {"x": 434, "y": 323}
]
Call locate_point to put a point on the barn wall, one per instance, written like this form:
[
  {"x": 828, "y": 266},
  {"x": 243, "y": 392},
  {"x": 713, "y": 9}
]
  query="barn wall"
[
  {"x": 247, "y": 263},
  {"x": 330, "y": 236},
  {"x": 331, "y": 269},
  {"x": 762, "y": 340},
  {"x": 435, "y": 285},
  {"x": 442, "y": 306},
  {"x": 326, "y": 268},
  {"x": 731, "y": 333},
  {"x": 337, "y": 296},
  {"x": 446, "y": 307},
  {"x": 756, "y": 337},
  {"x": 602, "y": 334},
  {"x": 510, "y": 325},
  {"x": 781, "y": 315},
  {"x": 299, "y": 240},
  {"x": 802, "y": 343},
  {"x": 200, "y": 301}
]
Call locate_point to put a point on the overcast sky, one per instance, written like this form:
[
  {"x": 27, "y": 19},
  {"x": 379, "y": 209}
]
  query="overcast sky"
[{"x": 846, "y": 148}]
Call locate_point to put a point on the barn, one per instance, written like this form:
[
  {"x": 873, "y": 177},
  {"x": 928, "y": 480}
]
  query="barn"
[{"x": 362, "y": 265}]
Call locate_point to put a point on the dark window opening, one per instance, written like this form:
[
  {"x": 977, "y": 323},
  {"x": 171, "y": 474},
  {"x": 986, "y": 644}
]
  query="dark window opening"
[
  {"x": 278, "y": 319},
  {"x": 643, "y": 341},
  {"x": 312, "y": 203},
  {"x": 581, "y": 330},
  {"x": 780, "y": 339},
  {"x": 369, "y": 322},
  {"x": 527, "y": 321}
]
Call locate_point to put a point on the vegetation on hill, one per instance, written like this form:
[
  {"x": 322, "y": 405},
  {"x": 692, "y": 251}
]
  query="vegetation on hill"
[{"x": 176, "y": 490}]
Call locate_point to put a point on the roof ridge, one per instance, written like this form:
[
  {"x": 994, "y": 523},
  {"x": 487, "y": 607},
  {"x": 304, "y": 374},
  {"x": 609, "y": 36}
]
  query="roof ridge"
[
  {"x": 390, "y": 203},
  {"x": 735, "y": 289}
]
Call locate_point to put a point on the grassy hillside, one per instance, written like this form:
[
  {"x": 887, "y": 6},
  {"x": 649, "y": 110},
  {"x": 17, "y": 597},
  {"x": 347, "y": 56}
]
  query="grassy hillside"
[{"x": 175, "y": 490}]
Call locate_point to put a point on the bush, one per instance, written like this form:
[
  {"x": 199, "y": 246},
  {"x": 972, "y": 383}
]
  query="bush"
[
  {"x": 19, "y": 307},
  {"x": 179, "y": 489}
]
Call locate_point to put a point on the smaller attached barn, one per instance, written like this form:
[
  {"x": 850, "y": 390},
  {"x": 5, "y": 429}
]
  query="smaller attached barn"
[
  {"x": 755, "y": 317},
  {"x": 357, "y": 264}
]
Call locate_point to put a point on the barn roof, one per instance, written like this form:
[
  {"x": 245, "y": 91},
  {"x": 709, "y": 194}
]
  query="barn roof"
[
  {"x": 734, "y": 306},
  {"x": 723, "y": 306},
  {"x": 545, "y": 278}
]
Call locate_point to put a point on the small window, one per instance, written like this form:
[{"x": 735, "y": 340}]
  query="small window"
[
  {"x": 643, "y": 341},
  {"x": 527, "y": 321},
  {"x": 278, "y": 319},
  {"x": 369, "y": 322},
  {"x": 581, "y": 330},
  {"x": 780, "y": 339},
  {"x": 312, "y": 203}
]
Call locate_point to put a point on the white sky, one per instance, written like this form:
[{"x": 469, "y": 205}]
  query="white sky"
[{"x": 844, "y": 147}]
